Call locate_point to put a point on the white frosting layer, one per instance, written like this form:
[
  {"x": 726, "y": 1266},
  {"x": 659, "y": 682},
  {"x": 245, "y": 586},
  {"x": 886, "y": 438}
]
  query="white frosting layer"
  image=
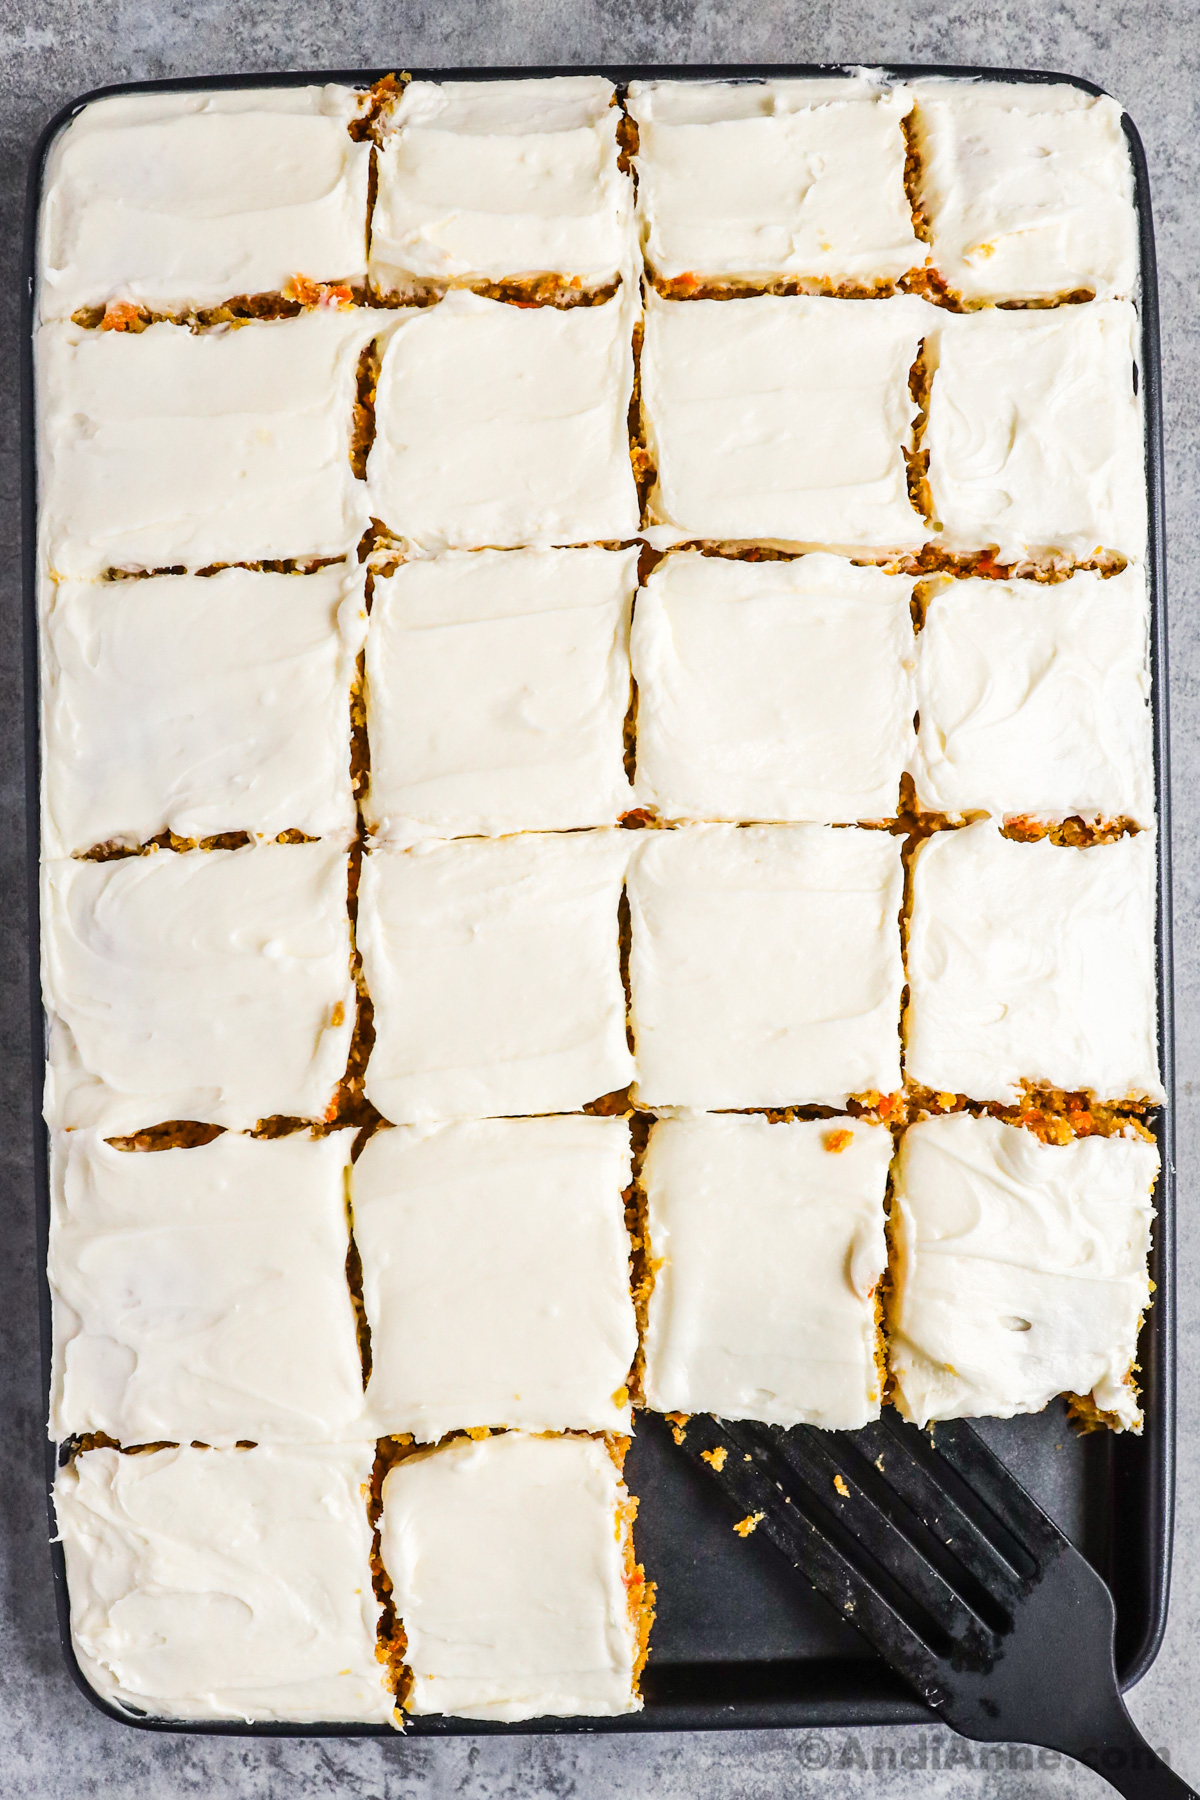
[
  {"x": 1034, "y": 699},
  {"x": 765, "y": 965},
  {"x": 1035, "y": 432},
  {"x": 1028, "y": 190},
  {"x": 201, "y": 1295},
  {"x": 494, "y": 969},
  {"x": 501, "y": 425},
  {"x": 181, "y": 200},
  {"x": 784, "y": 418},
  {"x": 168, "y": 448},
  {"x": 495, "y": 1265},
  {"x": 224, "y": 1584},
  {"x": 497, "y": 688},
  {"x": 1019, "y": 1271},
  {"x": 212, "y": 986},
  {"x": 773, "y": 690},
  {"x": 765, "y": 179},
  {"x": 767, "y": 1245},
  {"x": 506, "y": 1558},
  {"x": 1032, "y": 962},
  {"x": 492, "y": 179},
  {"x": 200, "y": 705}
]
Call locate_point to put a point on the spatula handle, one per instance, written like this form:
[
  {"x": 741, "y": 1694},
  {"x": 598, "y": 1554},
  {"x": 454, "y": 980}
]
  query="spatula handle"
[{"x": 1117, "y": 1750}]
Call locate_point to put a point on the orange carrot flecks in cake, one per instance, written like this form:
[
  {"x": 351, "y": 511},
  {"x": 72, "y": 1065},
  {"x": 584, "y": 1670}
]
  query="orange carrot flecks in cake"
[
  {"x": 121, "y": 315},
  {"x": 837, "y": 1141}
]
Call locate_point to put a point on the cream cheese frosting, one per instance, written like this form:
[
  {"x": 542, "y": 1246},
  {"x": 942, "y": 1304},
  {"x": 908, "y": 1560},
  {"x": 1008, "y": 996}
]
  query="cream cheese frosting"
[
  {"x": 757, "y": 180},
  {"x": 501, "y": 425},
  {"x": 225, "y": 1584},
  {"x": 495, "y": 1267},
  {"x": 169, "y": 448},
  {"x": 507, "y": 1562},
  {"x": 199, "y": 705},
  {"x": 1034, "y": 699},
  {"x": 1035, "y": 433},
  {"x": 205, "y": 985},
  {"x": 200, "y": 1294},
  {"x": 765, "y": 965},
  {"x": 1032, "y": 962},
  {"x": 1019, "y": 1271},
  {"x": 1027, "y": 189},
  {"x": 784, "y": 418},
  {"x": 180, "y": 200},
  {"x": 497, "y": 688},
  {"x": 767, "y": 1243},
  {"x": 494, "y": 968},
  {"x": 773, "y": 690},
  {"x": 496, "y": 179}
]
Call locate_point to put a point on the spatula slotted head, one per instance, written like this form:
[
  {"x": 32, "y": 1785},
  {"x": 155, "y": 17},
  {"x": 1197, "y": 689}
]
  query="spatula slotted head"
[{"x": 936, "y": 1553}]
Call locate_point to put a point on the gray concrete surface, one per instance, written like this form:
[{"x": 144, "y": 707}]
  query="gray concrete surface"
[{"x": 51, "y": 1742}]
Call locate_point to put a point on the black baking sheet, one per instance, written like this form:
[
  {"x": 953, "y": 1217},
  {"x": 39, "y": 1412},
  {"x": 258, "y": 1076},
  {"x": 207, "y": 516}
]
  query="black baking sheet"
[{"x": 740, "y": 1643}]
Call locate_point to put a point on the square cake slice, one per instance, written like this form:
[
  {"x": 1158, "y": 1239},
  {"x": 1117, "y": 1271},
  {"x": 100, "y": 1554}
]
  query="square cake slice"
[
  {"x": 180, "y": 200},
  {"x": 1034, "y": 435},
  {"x": 1020, "y": 1270},
  {"x": 200, "y": 1294},
  {"x": 199, "y": 705},
  {"x": 495, "y": 180},
  {"x": 173, "y": 449},
  {"x": 500, "y": 425},
  {"x": 765, "y": 965},
  {"x": 757, "y": 181},
  {"x": 494, "y": 967},
  {"x": 225, "y": 1584},
  {"x": 767, "y": 1242},
  {"x": 773, "y": 690},
  {"x": 1034, "y": 699},
  {"x": 497, "y": 689},
  {"x": 784, "y": 419},
  {"x": 1032, "y": 963},
  {"x": 1027, "y": 189},
  {"x": 495, "y": 1262},
  {"x": 206, "y": 985},
  {"x": 511, "y": 1563}
]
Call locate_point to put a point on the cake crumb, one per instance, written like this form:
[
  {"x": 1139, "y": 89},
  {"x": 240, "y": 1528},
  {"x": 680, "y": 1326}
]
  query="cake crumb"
[
  {"x": 841, "y": 1487},
  {"x": 715, "y": 1457},
  {"x": 837, "y": 1141},
  {"x": 750, "y": 1523}
]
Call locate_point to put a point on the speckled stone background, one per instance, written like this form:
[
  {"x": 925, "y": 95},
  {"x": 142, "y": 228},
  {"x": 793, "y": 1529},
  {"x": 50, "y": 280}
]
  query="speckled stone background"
[{"x": 1148, "y": 54}]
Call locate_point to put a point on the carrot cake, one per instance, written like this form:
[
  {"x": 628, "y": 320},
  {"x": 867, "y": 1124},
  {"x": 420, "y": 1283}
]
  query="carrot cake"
[
  {"x": 765, "y": 965},
  {"x": 750, "y": 181},
  {"x": 1034, "y": 436},
  {"x": 185, "y": 199},
  {"x": 508, "y": 1559},
  {"x": 1034, "y": 699},
  {"x": 491, "y": 180},
  {"x": 1027, "y": 189},
  {"x": 773, "y": 690},
  {"x": 1020, "y": 1270},
  {"x": 169, "y": 448},
  {"x": 767, "y": 1242},
  {"x": 200, "y": 1294},
  {"x": 495, "y": 1265},
  {"x": 1032, "y": 962},
  {"x": 199, "y": 706},
  {"x": 784, "y": 418},
  {"x": 497, "y": 689},
  {"x": 495, "y": 972},
  {"x": 206, "y": 985},
  {"x": 225, "y": 1584},
  {"x": 501, "y": 425}
]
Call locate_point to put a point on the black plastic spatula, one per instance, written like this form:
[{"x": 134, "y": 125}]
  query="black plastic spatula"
[{"x": 960, "y": 1581}]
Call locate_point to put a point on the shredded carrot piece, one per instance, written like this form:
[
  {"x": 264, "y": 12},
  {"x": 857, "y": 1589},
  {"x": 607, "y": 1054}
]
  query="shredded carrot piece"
[
  {"x": 837, "y": 1141},
  {"x": 750, "y": 1523},
  {"x": 120, "y": 315}
]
